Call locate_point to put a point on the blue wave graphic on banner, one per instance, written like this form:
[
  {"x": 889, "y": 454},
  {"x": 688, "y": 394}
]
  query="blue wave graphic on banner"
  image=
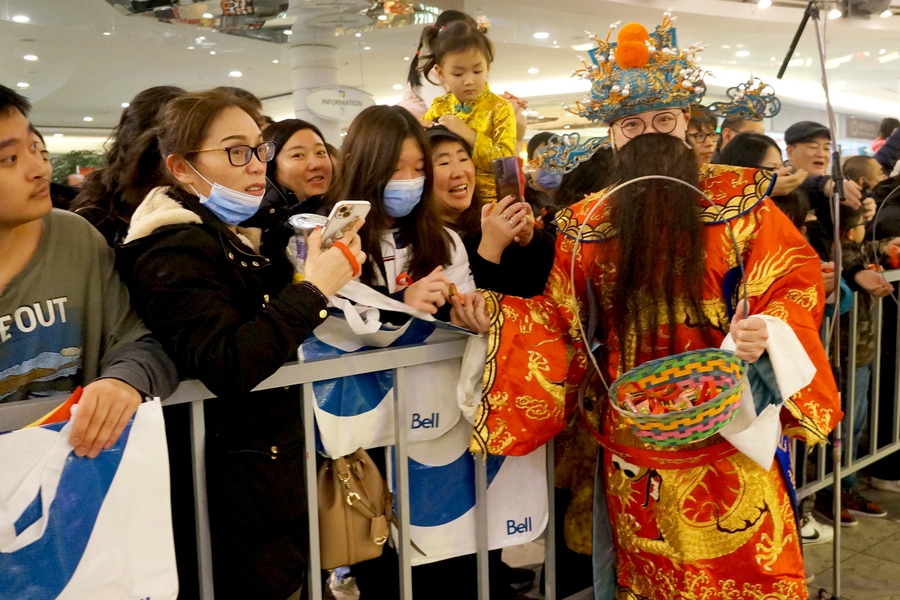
[
  {"x": 356, "y": 395},
  {"x": 43, "y": 569},
  {"x": 440, "y": 495}
]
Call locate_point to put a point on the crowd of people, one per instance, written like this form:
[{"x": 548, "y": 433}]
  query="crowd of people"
[{"x": 170, "y": 264}]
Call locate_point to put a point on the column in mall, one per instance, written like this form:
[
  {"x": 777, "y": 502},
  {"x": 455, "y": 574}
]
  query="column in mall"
[{"x": 314, "y": 66}]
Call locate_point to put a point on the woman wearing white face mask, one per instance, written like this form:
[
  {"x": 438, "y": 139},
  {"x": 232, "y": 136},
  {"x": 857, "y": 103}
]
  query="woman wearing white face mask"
[
  {"x": 412, "y": 256},
  {"x": 229, "y": 314}
]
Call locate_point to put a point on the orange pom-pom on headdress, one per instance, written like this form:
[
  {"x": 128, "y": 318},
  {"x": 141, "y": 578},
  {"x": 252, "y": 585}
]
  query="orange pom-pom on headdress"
[{"x": 632, "y": 49}]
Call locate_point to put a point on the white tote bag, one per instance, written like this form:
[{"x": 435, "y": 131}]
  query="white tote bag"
[
  {"x": 358, "y": 411},
  {"x": 76, "y": 528},
  {"x": 442, "y": 496}
]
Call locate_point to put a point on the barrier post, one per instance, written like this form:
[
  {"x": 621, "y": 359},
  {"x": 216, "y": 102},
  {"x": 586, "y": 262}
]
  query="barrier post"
[
  {"x": 850, "y": 390},
  {"x": 401, "y": 469},
  {"x": 201, "y": 505},
  {"x": 875, "y": 396},
  {"x": 481, "y": 529},
  {"x": 550, "y": 536},
  {"x": 312, "y": 493}
]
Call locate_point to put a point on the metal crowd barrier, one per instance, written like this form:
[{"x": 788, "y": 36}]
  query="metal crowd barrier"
[
  {"x": 17, "y": 415},
  {"x": 808, "y": 483}
]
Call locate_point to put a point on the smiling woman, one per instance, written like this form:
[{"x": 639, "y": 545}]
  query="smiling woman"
[{"x": 298, "y": 175}]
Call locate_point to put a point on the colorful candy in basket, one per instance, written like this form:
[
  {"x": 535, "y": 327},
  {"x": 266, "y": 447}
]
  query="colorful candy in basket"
[
  {"x": 665, "y": 398},
  {"x": 680, "y": 399}
]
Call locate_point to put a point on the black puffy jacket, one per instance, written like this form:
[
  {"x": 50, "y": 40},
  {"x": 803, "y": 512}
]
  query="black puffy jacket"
[{"x": 231, "y": 317}]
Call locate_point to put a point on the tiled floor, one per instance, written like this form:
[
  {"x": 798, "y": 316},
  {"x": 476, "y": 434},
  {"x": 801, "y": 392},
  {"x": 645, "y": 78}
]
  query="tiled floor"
[{"x": 870, "y": 556}]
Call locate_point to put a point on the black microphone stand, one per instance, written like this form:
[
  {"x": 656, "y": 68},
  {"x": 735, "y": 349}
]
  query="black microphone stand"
[{"x": 812, "y": 11}]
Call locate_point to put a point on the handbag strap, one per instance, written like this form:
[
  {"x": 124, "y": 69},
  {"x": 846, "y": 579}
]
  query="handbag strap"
[{"x": 348, "y": 473}]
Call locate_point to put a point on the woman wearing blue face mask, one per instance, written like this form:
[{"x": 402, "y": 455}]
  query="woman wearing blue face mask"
[
  {"x": 225, "y": 308},
  {"x": 540, "y": 186},
  {"x": 412, "y": 256},
  {"x": 386, "y": 159}
]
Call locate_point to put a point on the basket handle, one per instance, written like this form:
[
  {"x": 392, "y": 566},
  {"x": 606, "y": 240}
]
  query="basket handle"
[{"x": 578, "y": 238}]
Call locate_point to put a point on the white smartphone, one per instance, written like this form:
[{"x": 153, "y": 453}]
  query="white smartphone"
[{"x": 343, "y": 214}]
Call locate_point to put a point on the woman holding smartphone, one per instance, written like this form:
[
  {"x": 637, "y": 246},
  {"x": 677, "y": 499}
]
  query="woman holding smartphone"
[
  {"x": 412, "y": 256},
  {"x": 229, "y": 314}
]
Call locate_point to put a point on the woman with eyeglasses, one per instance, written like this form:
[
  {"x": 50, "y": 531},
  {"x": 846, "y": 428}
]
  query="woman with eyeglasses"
[
  {"x": 230, "y": 315},
  {"x": 702, "y": 136}
]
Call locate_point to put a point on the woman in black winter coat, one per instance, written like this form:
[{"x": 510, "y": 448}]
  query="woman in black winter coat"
[{"x": 230, "y": 315}]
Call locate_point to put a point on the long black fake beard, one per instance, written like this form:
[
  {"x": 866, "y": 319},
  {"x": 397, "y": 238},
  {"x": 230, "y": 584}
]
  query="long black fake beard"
[{"x": 660, "y": 243}]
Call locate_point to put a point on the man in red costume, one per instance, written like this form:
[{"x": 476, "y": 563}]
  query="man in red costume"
[{"x": 656, "y": 274}]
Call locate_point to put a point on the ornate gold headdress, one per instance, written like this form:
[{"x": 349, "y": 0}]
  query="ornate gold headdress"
[
  {"x": 639, "y": 72},
  {"x": 753, "y": 101}
]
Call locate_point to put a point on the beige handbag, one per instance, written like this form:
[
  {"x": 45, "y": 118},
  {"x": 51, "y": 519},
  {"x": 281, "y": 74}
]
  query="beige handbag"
[{"x": 355, "y": 510}]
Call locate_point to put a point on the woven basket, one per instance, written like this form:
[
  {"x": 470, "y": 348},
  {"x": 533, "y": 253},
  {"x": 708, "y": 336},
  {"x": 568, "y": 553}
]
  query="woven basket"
[{"x": 677, "y": 428}]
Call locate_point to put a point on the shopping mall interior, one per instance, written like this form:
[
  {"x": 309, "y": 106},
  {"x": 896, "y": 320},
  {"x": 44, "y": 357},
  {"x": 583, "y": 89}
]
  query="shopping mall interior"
[{"x": 80, "y": 62}]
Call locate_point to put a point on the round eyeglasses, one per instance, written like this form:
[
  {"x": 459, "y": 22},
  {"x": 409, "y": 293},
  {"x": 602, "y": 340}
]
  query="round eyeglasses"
[
  {"x": 632, "y": 127},
  {"x": 701, "y": 136},
  {"x": 240, "y": 155}
]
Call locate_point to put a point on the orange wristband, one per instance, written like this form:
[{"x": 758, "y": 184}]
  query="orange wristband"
[
  {"x": 343, "y": 248},
  {"x": 404, "y": 279}
]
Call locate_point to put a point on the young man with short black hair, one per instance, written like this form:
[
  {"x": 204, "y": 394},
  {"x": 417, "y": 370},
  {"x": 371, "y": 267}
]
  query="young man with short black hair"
[{"x": 65, "y": 317}]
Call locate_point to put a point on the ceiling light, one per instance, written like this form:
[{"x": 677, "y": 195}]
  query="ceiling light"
[
  {"x": 30, "y": 57},
  {"x": 887, "y": 13},
  {"x": 882, "y": 51},
  {"x": 21, "y": 19},
  {"x": 533, "y": 71},
  {"x": 888, "y": 57},
  {"x": 235, "y": 74},
  {"x": 89, "y": 119},
  {"x": 742, "y": 53},
  {"x": 835, "y": 13},
  {"x": 288, "y": 32},
  {"x": 190, "y": 47},
  {"x": 22, "y": 84},
  {"x": 764, "y": 3},
  {"x": 541, "y": 35},
  {"x": 796, "y": 55},
  {"x": 726, "y": 47},
  {"x": 125, "y": 105},
  {"x": 541, "y": 117},
  {"x": 57, "y": 135},
  {"x": 367, "y": 48},
  {"x": 358, "y": 34},
  {"x": 397, "y": 86},
  {"x": 212, "y": 51},
  {"x": 407, "y": 58},
  {"x": 567, "y": 127},
  {"x": 106, "y": 33},
  {"x": 207, "y": 15},
  {"x": 275, "y": 61},
  {"x": 201, "y": 38},
  {"x": 773, "y": 59},
  {"x": 554, "y": 41},
  {"x": 808, "y": 61},
  {"x": 382, "y": 17}
]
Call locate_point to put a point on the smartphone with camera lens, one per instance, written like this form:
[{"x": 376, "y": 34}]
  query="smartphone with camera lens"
[{"x": 342, "y": 216}]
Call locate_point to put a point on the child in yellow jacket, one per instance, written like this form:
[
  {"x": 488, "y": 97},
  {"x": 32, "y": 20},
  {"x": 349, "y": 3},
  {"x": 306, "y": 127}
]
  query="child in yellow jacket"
[{"x": 461, "y": 55}]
